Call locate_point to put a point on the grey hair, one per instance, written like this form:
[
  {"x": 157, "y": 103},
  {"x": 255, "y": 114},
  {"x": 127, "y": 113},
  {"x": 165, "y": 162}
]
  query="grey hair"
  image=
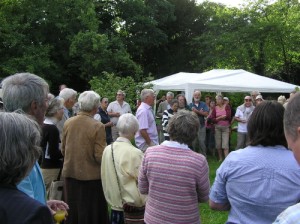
[
  {"x": 219, "y": 96},
  {"x": 291, "y": 119},
  {"x": 67, "y": 93},
  {"x": 170, "y": 94},
  {"x": 183, "y": 127},
  {"x": 255, "y": 92},
  {"x": 54, "y": 105},
  {"x": 19, "y": 146},
  {"x": 197, "y": 90},
  {"x": 88, "y": 100},
  {"x": 21, "y": 89},
  {"x": 127, "y": 125},
  {"x": 121, "y": 92},
  {"x": 281, "y": 99},
  {"x": 145, "y": 93}
]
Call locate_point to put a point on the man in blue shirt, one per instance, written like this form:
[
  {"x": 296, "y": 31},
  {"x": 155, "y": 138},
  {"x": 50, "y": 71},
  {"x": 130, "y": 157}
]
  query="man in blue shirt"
[{"x": 201, "y": 109}]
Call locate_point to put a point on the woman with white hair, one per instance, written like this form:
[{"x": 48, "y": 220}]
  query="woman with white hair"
[
  {"x": 52, "y": 157},
  {"x": 83, "y": 143},
  {"x": 119, "y": 169},
  {"x": 19, "y": 150}
]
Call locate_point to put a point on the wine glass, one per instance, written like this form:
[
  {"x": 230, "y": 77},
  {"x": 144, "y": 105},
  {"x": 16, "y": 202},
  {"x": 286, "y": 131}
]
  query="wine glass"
[{"x": 59, "y": 216}]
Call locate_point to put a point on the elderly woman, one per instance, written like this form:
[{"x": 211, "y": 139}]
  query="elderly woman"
[
  {"x": 123, "y": 159},
  {"x": 19, "y": 150},
  {"x": 173, "y": 176},
  {"x": 52, "y": 157},
  {"x": 82, "y": 146},
  {"x": 260, "y": 181},
  {"x": 221, "y": 117}
]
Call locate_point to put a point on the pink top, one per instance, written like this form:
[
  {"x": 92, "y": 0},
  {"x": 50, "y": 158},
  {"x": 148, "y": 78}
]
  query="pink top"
[{"x": 221, "y": 113}]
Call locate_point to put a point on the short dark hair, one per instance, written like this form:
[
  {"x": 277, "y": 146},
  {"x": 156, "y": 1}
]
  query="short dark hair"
[
  {"x": 183, "y": 127},
  {"x": 265, "y": 126}
]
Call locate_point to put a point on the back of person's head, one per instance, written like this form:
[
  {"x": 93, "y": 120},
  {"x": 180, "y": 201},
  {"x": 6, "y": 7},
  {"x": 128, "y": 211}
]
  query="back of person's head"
[
  {"x": 67, "y": 93},
  {"x": 88, "y": 101},
  {"x": 21, "y": 89},
  {"x": 55, "y": 104},
  {"x": 173, "y": 102},
  {"x": 265, "y": 126},
  {"x": 183, "y": 127},
  {"x": 127, "y": 125},
  {"x": 292, "y": 117},
  {"x": 19, "y": 146}
]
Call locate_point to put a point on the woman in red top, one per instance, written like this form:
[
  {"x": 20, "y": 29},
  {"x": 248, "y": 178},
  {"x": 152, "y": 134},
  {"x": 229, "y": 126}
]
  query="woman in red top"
[{"x": 221, "y": 117}]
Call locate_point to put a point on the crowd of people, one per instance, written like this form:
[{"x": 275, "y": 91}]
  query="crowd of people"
[{"x": 109, "y": 157}]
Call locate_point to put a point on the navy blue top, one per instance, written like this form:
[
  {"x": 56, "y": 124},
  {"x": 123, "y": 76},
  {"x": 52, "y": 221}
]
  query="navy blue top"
[
  {"x": 105, "y": 119},
  {"x": 200, "y": 106}
]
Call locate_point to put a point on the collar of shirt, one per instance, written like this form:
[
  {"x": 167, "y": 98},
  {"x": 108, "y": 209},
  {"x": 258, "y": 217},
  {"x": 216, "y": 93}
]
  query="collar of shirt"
[
  {"x": 50, "y": 120},
  {"x": 122, "y": 139},
  {"x": 175, "y": 144},
  {"x": 146, "y": 105}
]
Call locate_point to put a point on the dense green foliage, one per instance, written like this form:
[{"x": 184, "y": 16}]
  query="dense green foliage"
[{"x": 72, "y": 41}]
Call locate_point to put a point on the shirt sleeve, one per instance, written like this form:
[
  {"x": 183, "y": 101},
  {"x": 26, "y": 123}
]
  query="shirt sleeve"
[
  {"x": 165, "y": 118},
  {"x": 218, "y": 192},
  {"x": 143, "y": 120},
  {"x": 100, "y": 142},
  {"x": 143, "y": 183},
  {"x": 203, "y": 183}
]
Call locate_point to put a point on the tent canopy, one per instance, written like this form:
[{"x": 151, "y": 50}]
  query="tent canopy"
[{"x": 220, "y": 80}]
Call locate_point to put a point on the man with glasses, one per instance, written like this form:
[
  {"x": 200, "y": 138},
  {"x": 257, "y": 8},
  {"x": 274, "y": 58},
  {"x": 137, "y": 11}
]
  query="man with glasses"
[
  {"x": 115, "y": 109},
  {"x": 242, "y": 115}
]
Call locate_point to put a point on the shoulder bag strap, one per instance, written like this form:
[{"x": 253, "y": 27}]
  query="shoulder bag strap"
[{"x": 112, "y": 155}]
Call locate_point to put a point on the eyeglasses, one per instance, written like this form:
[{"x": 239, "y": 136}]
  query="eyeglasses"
[{"x": 248, "y": 100}]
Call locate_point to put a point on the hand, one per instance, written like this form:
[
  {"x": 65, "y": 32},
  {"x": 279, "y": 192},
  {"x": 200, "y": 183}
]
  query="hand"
[
  {"x": 56, "y": 205},
  {"x": 117, "y": 114}
]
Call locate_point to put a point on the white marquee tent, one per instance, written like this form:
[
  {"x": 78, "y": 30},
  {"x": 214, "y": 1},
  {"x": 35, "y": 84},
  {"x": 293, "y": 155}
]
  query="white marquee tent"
[{"x": 220, "y": 80}]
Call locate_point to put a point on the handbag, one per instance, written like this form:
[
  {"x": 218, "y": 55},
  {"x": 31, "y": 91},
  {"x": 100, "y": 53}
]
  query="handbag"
[
  {"x": 56, "y": 188},
  {"x": 132, "y": 214}
]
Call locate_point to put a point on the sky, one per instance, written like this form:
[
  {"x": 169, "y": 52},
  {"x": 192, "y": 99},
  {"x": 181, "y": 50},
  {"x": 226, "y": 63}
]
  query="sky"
[{"x": 235, "y": 3}]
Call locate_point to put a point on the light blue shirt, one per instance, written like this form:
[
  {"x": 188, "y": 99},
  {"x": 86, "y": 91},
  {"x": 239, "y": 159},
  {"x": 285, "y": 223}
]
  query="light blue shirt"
[
  {"x": 33, "y": 185},
  {"x": 258, "y": 182}
]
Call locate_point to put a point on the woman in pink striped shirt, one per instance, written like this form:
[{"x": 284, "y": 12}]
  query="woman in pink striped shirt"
[{"x": 173, "y": 176}]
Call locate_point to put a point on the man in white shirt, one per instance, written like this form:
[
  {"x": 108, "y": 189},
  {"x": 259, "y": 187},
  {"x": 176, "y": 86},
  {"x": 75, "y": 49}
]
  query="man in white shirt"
[
  {"x": 242, "y": 115},
  {"x": 115, "y": 109}
]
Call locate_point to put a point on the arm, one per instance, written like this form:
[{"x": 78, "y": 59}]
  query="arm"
[
  {"x": 100, "y": 141},
  {"x": 219, "y": 206},
  {"x": 218, "y": 199},
  {"x": 110, "y": 111},
  {"x": 145, "y": 135},
  {"x": 143, "y": 182},
  {"x": 203, "y": 184}
]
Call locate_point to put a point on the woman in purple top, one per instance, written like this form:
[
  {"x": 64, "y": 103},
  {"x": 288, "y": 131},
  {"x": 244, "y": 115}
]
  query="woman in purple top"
[
  {"x": 174, "y": 177},
  {"x": 221, "y": 117}
]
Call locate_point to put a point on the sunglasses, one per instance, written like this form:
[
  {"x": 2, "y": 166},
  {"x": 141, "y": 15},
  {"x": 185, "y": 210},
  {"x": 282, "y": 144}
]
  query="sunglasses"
[{"x": 248, "y": 100}]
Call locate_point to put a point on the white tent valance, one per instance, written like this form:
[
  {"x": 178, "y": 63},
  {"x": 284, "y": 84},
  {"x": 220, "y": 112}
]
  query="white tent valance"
[{"x": 220, "y": 80}]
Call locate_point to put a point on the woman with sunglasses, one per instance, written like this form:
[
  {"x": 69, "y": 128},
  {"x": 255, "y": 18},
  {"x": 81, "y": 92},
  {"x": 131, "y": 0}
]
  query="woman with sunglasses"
[{"x": 242, "y": 115}]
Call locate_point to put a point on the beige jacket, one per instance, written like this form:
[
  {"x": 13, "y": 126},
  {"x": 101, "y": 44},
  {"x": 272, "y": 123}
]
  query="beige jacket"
[
  {"x": 128, "y": 160},
  {"x": 83, "y": 142}
]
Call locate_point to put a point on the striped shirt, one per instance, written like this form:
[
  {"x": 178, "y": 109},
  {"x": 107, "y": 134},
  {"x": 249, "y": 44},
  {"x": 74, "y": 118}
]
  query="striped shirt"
[
  {"x": 165, "y": 121},
  {"x": 176, "y": 180}
]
